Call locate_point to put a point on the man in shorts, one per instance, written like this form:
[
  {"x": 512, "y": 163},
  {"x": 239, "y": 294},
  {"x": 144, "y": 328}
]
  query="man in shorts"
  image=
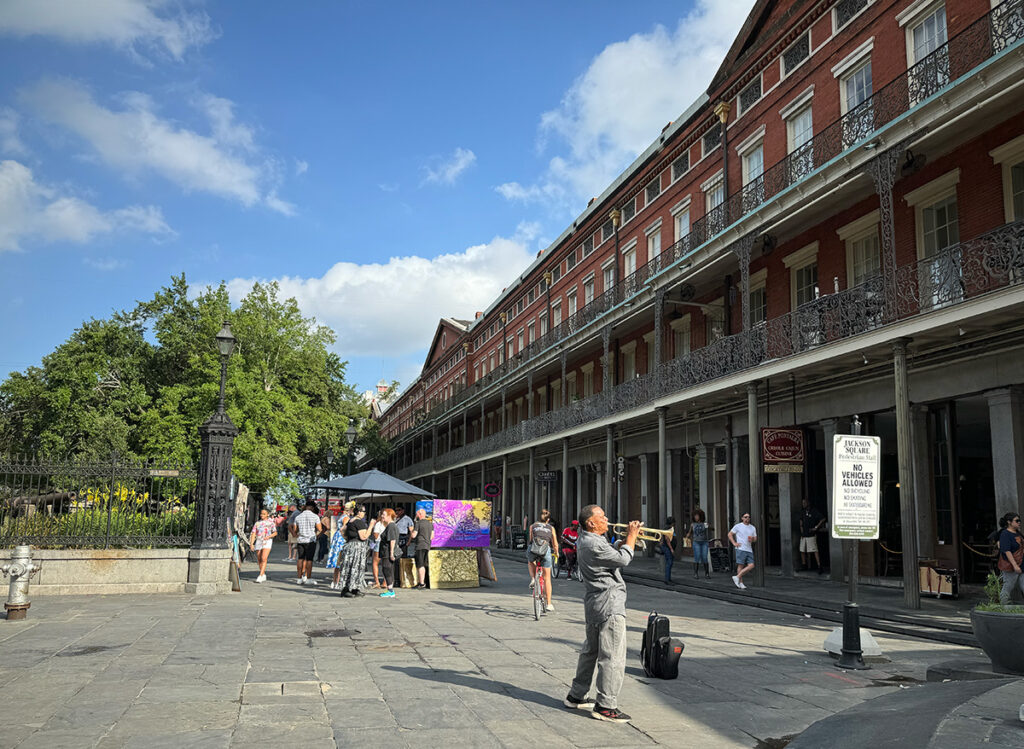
[
  {"x": 306, "y": 527},
  {"x": 742, "y": 535},
  {"x": 422, "y": 534},
  {"x": 811, "y": 521}
]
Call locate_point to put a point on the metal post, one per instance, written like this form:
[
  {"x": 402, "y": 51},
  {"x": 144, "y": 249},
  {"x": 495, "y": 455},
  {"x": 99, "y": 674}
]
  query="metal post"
[
  {"x": 609, "y": 467},
  {"x": 504, "y": 500},
  {"x": 756, "y": 496},
  {"x": 528, "y": 509},
  {"x": 853, "y": 545},
  {"x": 904, "y": 449},
  {"x": 216, "y": 506},
  {"x": 564, "y": 519},
  {"x": 663, "y": 509}
]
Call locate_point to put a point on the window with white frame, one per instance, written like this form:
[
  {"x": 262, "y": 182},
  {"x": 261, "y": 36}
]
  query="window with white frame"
[
  {"x": 798, "y": 51},
  {"x": 653, "y": 190},
  {"x": 628, "y": 354},
  {"x": 714, "y": 196},
  {"x": 855, "y": 90},
  {"x": 570, "y": 386},
  {"x": 653, "y": 243},
  {"x": 608, "y": 274},
  {"x": 531, "y": 332},
  {"x": 803, "y": 275},
  {"x": 845, "y": 11},
  {"x": 750, "y": 95},
  {"x": 751, "y": 153},
  {"x": 714, "y": 321},
  {"x": 588, "y": 290},
  {"x": 556, "y": 314},
  {"x": 628, "y": 210},
  {"x": 863, "y": 249},
  {"x": 681, "y": 219},
  {"x": 1010, "y": 157},
  {"x": 607, "y": 230},
  {"x": 927, "y": 57},
  {"x": 588, "y": 379},
  {"x": 588, "y": 246},
  {"x": 940, "y": 225},
  {"x": 758, "y": 298},
  {"x": 629, "y": 262},
  {"x": 800, "y": 134},
  {"x": 938, "y": 231},
  {"x": 680, "y": 336},
  {"x": 543, "y": 323},
  {"x": 712, "y": 139},
  {"x": 521, "y": 339},
  {"x": 571, "y": 303},
  {"x": 680, "y": 165}
]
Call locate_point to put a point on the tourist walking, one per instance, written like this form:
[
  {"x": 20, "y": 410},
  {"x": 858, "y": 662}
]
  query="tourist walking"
[
  {"x": 293, "y": 512},
  {"x": 337, "y": 542},
  {"x": 353, "y": 554},
  {"x": 742, "y": 536},
  {"x": 422, "y": 533},
  {"x": 604, "y": 611},
  {"x": 667, "y": 547},
  {"x": 389, "y": 551},
  {"x": 698, "y": 535},
  {"x": 404, "y": 524},
  {"x": 307, "y": 525},
  {"x": 1011, "y": 556},
  {"x": 539, "y": 551},
  {"x": 262, "y": 540},
  {"x": 811, "y": 521},
  {"x": 373, "y": 542}
]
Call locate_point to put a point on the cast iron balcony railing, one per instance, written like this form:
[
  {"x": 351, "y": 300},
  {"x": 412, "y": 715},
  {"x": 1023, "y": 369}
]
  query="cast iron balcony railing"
[
  {"x": 990, "y": 35},
  {"x": 970, "y": 269}
]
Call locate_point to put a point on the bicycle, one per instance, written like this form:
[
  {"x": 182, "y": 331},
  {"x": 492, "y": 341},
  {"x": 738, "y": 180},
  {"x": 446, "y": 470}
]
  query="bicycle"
[
  {"x": 538, "y": 592},
  {"x": 567, "y": 563}
]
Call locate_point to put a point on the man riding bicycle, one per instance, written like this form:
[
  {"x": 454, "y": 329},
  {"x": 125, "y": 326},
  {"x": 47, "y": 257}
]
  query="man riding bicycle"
[
  {"x": 542, "y": 532},
  {"x": 569, "y": 537}
]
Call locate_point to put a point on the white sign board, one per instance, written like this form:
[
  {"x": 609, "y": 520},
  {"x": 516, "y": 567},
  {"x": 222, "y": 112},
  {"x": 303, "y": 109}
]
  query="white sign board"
[{"x": 856, "y": 464}]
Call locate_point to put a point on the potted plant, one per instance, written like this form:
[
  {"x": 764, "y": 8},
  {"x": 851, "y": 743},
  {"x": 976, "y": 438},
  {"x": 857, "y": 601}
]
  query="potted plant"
[{"x": 1000, "y": 630}]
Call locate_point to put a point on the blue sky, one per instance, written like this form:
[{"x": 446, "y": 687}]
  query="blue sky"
[{"x": 388, "y": 163}]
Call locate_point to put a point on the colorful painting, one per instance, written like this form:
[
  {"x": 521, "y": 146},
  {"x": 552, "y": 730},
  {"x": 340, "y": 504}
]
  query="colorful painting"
[
  {"x": 461, "y": 524},
  {"x": 427, "y": 505}
]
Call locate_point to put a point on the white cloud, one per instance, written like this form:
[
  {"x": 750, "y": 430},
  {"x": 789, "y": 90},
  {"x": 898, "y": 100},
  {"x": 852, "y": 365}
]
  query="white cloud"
[
  {"x": 10, "y": 143},
  {"x": 33, "y": 211},
  {"x": 105, "y": 264},
  {"x": 135, "y": 140},
  {"x": 617, "y": 107},
  {"x": 446, "y": 172},
  {"x": 392, "y": 309},
  {"x": 121, "y": 23},
  {"x": 301, "y": 167}
]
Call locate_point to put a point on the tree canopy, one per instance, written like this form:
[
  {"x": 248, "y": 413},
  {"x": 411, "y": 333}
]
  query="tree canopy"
[{"x": 141, "y": 382}]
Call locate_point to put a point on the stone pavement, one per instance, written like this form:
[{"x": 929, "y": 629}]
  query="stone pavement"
[{"x": 278, "y": 662}]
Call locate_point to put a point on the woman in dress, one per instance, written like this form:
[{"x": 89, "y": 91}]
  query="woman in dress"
[
  {"x": 337, "y": 542},
  {"x": 353, "y": 554},
  {"x": 374, "y": 544},
  {"x": 262, "y": 539},
  {"x": 698, "y": 533}
]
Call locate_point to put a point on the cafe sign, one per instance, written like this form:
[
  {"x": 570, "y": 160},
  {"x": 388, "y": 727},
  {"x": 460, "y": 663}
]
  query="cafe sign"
[{"x": 782, "y": 450}]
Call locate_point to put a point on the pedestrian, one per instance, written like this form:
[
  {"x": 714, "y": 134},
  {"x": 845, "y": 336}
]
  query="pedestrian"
[
  {"x": 262, "y": 540},
  {"x": 390, "y": 552},
  {"x": 604, "y": 611},
  {"x": 698, "y": 535},
  {"x": 542, "y": 538},
  {"x": 293, "y": 512},
  {"x": 422, "y": 533},
  {"x": 667, "y": 547},
  {"x": 811, "y": 521},
  {"x": 1011, "y": 556},
  {"x": 337, "y": 542},
  {"x": 373, "y": 543},
  {"x": 324, "y": 538},
  {"x": 404, "y": 524},
  {"x": 742, "y": 535},
  {"x": 353, "y": 555},
  {"x": 307, "y": 525}
]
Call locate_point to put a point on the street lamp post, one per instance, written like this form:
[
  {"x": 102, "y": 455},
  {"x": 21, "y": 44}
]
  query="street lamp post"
[
  {"x": 210, "y": 554},
  {"x": 350, "y": 437}
]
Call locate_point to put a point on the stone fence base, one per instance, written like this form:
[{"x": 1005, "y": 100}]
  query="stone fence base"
[{"x": 114, "y": 571}]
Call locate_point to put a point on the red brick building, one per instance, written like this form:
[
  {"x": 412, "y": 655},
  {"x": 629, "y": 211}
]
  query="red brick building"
[{"x": 834, "y": 228}]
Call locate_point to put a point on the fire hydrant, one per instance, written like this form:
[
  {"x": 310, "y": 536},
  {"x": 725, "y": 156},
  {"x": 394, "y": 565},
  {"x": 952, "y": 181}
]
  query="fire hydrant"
[{"x": 20, "y": 569}]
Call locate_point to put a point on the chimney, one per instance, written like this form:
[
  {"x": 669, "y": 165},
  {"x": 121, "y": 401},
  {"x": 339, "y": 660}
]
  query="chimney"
[{"x": 478, "y": 315}]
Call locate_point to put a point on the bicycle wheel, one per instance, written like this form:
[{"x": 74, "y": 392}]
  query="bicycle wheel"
[{"x": 537, "y": 597}]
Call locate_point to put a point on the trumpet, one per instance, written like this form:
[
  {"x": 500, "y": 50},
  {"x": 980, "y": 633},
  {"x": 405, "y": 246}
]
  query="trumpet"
[{"x": 646, "y": 534}]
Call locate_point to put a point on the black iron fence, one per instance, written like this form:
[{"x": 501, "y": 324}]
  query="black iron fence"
[{"x": 96, "y": 504}]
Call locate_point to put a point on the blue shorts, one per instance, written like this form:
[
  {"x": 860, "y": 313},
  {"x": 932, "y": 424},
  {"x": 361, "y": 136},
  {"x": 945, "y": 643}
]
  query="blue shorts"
[
  {"x": 544, "y": 561},
  {"x": 744, "y": 557}
]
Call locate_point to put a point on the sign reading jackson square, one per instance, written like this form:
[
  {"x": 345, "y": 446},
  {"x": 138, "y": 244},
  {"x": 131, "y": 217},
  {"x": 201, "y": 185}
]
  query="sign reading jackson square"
[{"x": 855, "y": 498}]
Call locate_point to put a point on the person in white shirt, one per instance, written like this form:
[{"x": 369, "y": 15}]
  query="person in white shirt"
[
  {"x": 404, "y": 523},
  {"x": 306, "y": 527},
  {"x": 742, "y": 535}
]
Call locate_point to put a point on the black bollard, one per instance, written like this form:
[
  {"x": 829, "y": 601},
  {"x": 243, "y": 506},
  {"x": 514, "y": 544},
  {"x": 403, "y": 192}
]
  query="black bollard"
[{"x": 851, "y": 657}]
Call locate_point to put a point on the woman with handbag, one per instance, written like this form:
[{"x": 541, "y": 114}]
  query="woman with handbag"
[
  {"x": 539, "y": 550},
  {"x": 1011, "y": 556}
]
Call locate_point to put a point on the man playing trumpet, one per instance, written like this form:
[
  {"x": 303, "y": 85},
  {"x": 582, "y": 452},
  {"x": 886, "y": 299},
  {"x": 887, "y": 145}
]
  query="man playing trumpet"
[{"x": 604, "y": 607}]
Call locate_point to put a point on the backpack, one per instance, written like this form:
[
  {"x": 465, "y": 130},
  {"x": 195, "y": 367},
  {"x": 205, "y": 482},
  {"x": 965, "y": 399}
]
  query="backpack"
[{"x": 659, "y": 652}]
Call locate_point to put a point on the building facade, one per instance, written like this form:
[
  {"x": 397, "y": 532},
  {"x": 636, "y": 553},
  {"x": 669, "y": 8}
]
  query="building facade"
[{"x": 835, "y": 228}]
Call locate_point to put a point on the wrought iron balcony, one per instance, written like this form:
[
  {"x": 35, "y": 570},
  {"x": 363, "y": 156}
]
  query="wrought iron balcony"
[
  {"x": 987, "y": 263},
  {"x": 987, "y": 37}
]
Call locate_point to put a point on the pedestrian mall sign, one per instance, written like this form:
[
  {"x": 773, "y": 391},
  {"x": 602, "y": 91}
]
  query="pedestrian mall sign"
[
  {"x": 782, "y": 450},
  {"x": 856, "y": 463}
]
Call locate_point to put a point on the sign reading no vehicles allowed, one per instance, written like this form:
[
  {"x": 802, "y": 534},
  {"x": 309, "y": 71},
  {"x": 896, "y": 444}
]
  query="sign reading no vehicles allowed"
[{"x": 856, "y": 463}]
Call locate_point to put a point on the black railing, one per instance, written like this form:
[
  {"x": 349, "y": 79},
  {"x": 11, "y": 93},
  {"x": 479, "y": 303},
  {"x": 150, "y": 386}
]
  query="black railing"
[
  {"x": 987, "y": 263},
  {"x": 990, "y": 35},
  {"x": 95, "y": 504}
]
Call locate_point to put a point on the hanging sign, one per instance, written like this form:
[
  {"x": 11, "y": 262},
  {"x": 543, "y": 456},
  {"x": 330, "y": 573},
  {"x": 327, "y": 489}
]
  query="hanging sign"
[
  {"x": 782, "y": 450},
  {"x": 547, "y": 476},
  {"x": 492, "y": 490},
  {"x": 856, "y": 462}
]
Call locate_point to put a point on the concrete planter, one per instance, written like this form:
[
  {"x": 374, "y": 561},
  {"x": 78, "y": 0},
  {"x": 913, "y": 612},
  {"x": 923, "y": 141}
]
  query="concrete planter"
[{"x": 1000, "y": 636}]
